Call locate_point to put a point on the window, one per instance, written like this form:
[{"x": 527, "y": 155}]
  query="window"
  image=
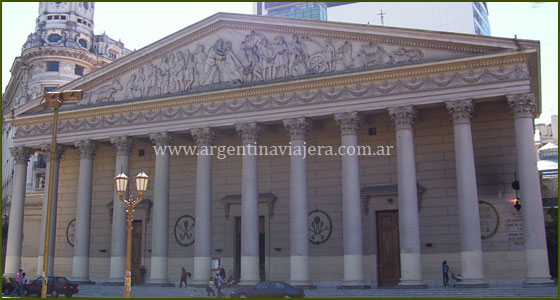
[
  {"x": 56, "y": 17},
  {"x": 48, "y": 89},
  {"x": 82, "y": 43},
  {"x": 54, "y": 38},
  {"x": 86, "y": 5},
  {"x": 49, "y": 18},
  {"x": 79, "y": 70},
  {"x": 52, "y": 66},
  {"x": 112, "y": 55},
  {"x": 63, "y": 17}
]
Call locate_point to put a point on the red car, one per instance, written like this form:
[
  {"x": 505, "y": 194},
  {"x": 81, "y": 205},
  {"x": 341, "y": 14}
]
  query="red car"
[{"x": 55, "y": 287}]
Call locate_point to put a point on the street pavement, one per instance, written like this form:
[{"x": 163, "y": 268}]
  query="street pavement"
[{"x": 104, "y": 291}]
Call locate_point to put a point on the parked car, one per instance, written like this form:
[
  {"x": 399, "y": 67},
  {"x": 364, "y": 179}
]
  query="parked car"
[
  {"x": 7, "y": 287},
  {"x": 55, "y": 286},
  {"x": 268, "y": 289}
]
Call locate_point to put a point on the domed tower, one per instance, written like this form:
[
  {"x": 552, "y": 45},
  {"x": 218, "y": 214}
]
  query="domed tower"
[{"x": 62, "y": 48}]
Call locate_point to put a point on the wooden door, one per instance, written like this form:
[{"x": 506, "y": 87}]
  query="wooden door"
[
  {"x": 388, "y": 252},
  {"x": 136, "y": 257}
]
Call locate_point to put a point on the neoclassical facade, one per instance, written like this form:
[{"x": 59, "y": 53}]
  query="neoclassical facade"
[{"x": 454, "y": 111}]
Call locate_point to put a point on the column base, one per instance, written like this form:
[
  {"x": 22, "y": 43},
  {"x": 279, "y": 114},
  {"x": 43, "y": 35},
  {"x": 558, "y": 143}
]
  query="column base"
[
  {"x": 346, "y": 286},
  {"x": 304, "y": 284},
  {"x": 411, "y": 284},
  {"x": 113, "y": 283},
  {"x": 538, "y": 282}
]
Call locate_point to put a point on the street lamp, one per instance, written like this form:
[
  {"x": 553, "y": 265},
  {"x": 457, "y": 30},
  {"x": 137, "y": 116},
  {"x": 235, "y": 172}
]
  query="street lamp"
[
  {"x": 121, "y": 182},
  {"x": 54, "y": 100}
]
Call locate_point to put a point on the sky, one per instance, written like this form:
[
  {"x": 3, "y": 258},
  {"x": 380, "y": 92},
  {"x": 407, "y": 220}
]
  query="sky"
[{"x": 140, "y": 24}]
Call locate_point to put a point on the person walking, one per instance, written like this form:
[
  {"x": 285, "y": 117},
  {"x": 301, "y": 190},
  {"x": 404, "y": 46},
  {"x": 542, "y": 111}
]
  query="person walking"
[
  {"x": 219, "y": 284},
  {"x": 210, "y": 287},
  {"x": 183, "y": 277},
  {"x": 19, "y": 284},
  {"x": 445, "y": 269}
]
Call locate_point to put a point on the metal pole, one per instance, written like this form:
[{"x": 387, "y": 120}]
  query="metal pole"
[
  {"x": 49, "y": 201},
  {"x": 127, "y": 273}
]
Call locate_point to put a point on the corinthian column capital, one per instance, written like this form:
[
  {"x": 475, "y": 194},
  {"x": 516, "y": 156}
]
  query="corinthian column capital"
[
  {"x": 348, "y": 122},
  {"x": 460, "y": 111},
  {"x": 21, "y": 154},
  {"x": 203, "y": 136},
  {"x": 249, "y": 132},
  {"x": 522, "y": 105},
  {"x": 297, "y": 128},
  {"x": 87, "y": 148},
  {"x": 161, "y": 139},
  {"x": 403, "y": 116},
  {"x": 59, "y": 151},
  {"x": 123, "y": 145}
]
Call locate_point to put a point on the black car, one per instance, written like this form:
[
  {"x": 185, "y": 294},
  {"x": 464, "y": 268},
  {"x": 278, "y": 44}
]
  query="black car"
[
  {"x": 268, "y": 289},
  {"x": 55, "y": 286}
]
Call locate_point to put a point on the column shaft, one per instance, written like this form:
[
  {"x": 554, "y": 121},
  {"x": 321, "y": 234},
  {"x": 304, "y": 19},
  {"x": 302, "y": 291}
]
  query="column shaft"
[
  {"x": 204, "y": 138},
  {"x": 299, "y": 241},
  {"x": 80, "y": 261},
  {"x": 536, "y": 255},
  {"x": 54, "y": 204},
  {"x": 472, "y": 269},
  {"x": 15, "y": 230},
  {"x": 123, "y": 146},
  {"x": 351, "y": 200},
  {"x": 160, "y": 212},
  {"x": 409, "y": 225},
  {"x": 249, "y": 206}
]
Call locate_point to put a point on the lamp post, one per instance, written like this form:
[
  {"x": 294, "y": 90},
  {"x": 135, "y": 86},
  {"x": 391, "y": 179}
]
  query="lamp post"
[
  {"x": 141, "y": 185},
  {"x": 54, "y": 100}
]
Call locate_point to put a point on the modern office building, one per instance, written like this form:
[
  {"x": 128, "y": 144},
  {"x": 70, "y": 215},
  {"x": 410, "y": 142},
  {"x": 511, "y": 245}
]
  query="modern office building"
[
  {"x": 413, "y": 176},
  {"x": 464, "y": 17}
]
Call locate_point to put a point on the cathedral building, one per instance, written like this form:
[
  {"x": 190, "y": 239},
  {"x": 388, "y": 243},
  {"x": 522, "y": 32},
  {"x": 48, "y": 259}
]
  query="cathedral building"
[{"x": 449, "y": 117}]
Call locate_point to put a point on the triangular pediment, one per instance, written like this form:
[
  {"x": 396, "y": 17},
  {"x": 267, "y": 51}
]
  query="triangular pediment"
[{"x": 228, "y": 51}]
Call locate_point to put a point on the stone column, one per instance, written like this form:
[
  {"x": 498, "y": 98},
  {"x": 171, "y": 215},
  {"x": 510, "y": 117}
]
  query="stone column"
[
  {"x": 299, "y": 241},
  {"x": 522, "y": 107},
  {"x": 249, "y": 205},
  {"x": 348, "y": 123},
  {"x": 204, "y": 138},
  {"x": 472, "y": 270},
  {"x": 80, "y": 261},
  {"x": 409, "y": 226},
  {"x": 15, "y": 230},
  {"x": 160, "y": 211},
  {"x": 124, "y": 146},
  {"x": 54, "y": 203}
]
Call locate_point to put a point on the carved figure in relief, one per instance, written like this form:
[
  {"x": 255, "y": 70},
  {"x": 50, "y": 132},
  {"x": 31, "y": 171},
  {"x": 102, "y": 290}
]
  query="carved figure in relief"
[
  {"x": 133, "y": 89},
  {"x": 250, "y": 71},
  {"x": 373, "y": 55},
  {"x": 177, "y": 75},
  {"x": 140, "y": 78},
  {"x": 232, "y": 68},
  {"x": 105, "y": 93},
  {"x": 163, "y": 75},
  {"x": 214, "y": 59},
  {"x": 189, "y": 72},
  {"x": 152, "y": 87},
  {"x": 280, "y": 57},
  {"x": 345, "y": 51},
  {"x": 404, "y": 55},
  {"x": 264, "y": 54},
  {"x": 199, "y": 61},
  {"x": 298, "y": 57}
]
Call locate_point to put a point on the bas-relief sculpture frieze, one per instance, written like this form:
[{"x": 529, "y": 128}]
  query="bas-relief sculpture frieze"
[
  {"x": 281, "y": 100},
  {"x": 253, "y": 58}
]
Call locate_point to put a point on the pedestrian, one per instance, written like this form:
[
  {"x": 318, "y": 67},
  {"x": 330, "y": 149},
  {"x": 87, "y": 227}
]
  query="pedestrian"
[
  {"x": 183, "y": 277},
  {"x": 19, "y": 284},
  {"x": 222, "y": 272},
  {"x": 219, "y": 284},
  {"x": 210, "y": 287},
  {"x": 445, "y": 269}
]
